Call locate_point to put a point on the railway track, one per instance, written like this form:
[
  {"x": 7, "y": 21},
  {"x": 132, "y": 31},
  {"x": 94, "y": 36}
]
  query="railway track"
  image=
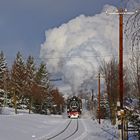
[
  {"x": 74, "y": 127},
  {"x": 70, "y": 129}
]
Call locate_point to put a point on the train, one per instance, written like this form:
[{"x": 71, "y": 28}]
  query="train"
[{"x": 74, "y": 107}]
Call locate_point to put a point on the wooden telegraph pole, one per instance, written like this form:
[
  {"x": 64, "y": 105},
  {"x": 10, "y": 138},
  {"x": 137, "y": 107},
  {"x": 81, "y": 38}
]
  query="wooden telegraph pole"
[{"x": 121, "y": 12}]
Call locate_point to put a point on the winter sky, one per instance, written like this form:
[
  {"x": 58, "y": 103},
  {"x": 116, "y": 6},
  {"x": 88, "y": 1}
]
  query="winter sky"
[
  {"x": 76, "y": 48},
  {"x": 71, "y": 36},
  {"x": 23, "y": 22}
]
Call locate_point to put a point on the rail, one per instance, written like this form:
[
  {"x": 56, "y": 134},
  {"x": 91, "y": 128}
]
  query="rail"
[{"x": 61, "y": 132}]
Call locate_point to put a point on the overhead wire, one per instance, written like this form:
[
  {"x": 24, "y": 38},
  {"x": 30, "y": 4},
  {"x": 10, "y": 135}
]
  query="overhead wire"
[{"x": 126, "y": 53}]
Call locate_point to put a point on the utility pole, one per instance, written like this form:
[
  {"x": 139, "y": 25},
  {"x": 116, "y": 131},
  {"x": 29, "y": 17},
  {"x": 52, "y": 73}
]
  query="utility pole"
[
  {"x": 91, "y": 101},
  {"x": 92, "y": 92},
  {"x": 121, "y": 12},
  {"x": 99, "y": 114}
]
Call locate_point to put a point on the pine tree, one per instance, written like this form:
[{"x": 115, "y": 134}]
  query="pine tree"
[
  {"x": 18, "y": 76},
  {"x": 58, "y": 101},
  {"x": 30, "y": 76},
  {"x": 3, "y": 68},
  {"x": 4, "y": 77},
  {"x": 42, "y": 77},
  {"x": 43, "y": 85}
]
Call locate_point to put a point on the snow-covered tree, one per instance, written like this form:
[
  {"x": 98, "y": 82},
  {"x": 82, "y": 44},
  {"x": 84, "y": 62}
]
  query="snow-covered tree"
[
  {"x": 42, "y": 84},
  {"x": 4, "y": 78},
  {"x": 18, "y": 78},
  {"x": 30, "y": 76},
  {"x": 3, "y": 69},
  {"x": 58, "y": 102},
  {"x": 132, "y": 32},
  {"x": 110, "y": 72},
  {"x": 42, "y": 76}
]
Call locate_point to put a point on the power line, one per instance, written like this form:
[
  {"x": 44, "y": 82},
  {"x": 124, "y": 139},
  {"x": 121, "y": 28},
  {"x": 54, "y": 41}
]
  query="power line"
[{"x": 82, "y": 56}]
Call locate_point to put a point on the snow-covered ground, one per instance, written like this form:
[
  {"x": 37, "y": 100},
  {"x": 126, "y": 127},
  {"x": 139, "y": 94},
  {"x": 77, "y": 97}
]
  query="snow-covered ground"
[{"x": 24, "y": 126}]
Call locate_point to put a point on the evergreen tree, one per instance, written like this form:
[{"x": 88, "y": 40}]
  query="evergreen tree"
[
  {"x": 18, "y": 76},
  {"x": 30, "y": 76},
  {"x": 3, "y": 69},
  {"x": 43, "y": 85},
  {"x": 42, "y": 77},
  {"x": 58, "y": 102},
  {"x": 4, "y": 77}
]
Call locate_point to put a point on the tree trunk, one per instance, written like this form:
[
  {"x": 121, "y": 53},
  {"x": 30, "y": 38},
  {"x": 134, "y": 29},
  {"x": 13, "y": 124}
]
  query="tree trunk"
[
  {"x": 15, "y": 103},
  {"x": 30, "y": 105}
]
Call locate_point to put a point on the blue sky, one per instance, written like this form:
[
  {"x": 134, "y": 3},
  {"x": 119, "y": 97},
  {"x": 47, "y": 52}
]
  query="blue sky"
[{"x": 23, "y": 22}]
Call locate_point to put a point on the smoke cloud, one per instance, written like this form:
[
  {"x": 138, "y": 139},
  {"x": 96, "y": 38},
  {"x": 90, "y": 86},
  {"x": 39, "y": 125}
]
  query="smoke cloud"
[{"x": 76, "y": 48}]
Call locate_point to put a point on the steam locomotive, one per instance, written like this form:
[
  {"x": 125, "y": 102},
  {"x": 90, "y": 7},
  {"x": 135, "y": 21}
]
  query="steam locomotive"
[{"x": 74, "y": 107}]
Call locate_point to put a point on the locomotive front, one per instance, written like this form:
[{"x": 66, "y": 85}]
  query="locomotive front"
[{"x": 74, "y": 107}]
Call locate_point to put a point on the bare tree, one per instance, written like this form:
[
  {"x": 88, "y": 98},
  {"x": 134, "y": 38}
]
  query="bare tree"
[
  {"x": 110, "y": 72},
  {"x": 132, "y": 31},
  {"x": 135, "y": 73}
]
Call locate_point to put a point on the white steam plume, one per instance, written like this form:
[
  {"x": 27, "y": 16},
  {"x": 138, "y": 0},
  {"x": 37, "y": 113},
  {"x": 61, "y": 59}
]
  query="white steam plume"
[{"x": 76, "y": 48}]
